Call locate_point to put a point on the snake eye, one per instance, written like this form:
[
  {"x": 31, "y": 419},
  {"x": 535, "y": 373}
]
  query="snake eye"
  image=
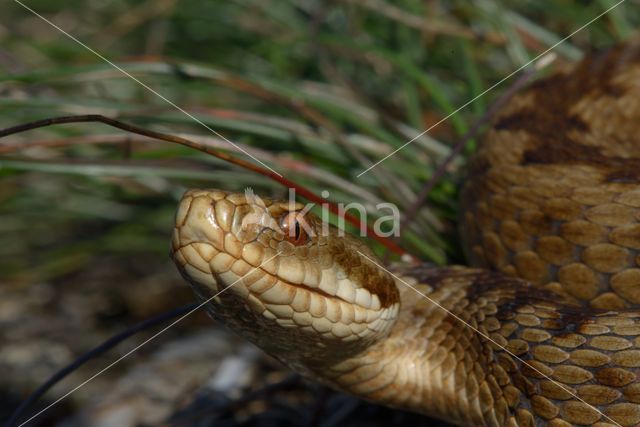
[{"x": 295, "y": 227}]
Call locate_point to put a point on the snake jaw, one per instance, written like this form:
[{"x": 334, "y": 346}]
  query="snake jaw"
[{"x": 281, "y": 295}]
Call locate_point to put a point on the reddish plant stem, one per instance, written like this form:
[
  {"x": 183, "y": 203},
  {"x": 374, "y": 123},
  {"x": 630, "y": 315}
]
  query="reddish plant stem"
[{"x": 302, "y": 191}]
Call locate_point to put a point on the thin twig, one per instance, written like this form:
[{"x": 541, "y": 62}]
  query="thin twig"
[
  {"x": 286, "y": 162},
  {"x": 302, "y": 191}
]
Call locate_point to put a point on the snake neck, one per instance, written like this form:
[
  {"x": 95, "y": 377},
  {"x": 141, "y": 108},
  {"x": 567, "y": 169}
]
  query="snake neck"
[
  {"x": 524, "y": 355},
  {"x": 421, "y": 373},
  {"x": 433, "y": 364}
]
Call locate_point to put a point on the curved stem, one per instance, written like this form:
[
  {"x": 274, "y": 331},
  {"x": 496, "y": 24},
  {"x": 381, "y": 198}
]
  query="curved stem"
[{"x": 307, "y": 194}]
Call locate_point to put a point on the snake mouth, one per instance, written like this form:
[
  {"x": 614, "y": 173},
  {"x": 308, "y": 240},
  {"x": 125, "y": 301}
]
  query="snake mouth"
[{"x": 295, "y": 286}]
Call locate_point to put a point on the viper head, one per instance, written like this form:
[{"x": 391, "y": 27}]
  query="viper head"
[{"x": 295, "y": 286}]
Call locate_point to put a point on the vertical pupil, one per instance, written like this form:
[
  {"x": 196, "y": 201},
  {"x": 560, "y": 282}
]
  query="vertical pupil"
[{"x": 297, "y": 229}]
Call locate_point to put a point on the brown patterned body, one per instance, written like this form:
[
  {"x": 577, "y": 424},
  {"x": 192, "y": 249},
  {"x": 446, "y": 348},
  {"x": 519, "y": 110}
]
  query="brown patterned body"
[
  {"x": 573, "y": 366},
  {"x": 553, "y": 194},
  {"x": 553, "y": 197},
  {"x": 551, "y": 337}
]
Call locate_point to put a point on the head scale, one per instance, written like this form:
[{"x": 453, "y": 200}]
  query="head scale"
[{"x": 297, "y": 288}]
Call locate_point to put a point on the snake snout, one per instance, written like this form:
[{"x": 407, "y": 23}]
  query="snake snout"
[
  {"x": 196, "y": 220},
  {"x": 197, "y": 237}
]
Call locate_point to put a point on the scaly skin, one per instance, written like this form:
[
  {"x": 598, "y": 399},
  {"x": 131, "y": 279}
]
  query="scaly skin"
[{"x": 552, "y": 197}]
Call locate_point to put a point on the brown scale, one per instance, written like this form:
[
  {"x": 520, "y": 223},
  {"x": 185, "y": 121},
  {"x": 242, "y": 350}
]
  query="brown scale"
[
  {"x": 553, "y": 198},
  {"x": 571, "y": 359},
  {"x": 553, "y": 195}
]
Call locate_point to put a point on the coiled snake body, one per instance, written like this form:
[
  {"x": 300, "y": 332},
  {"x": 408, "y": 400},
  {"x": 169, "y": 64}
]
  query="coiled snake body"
[{"x": 551, "y": 336}]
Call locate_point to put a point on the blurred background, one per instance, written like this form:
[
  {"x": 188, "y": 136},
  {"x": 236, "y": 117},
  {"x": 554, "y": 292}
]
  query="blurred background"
[{"x": 318, "y": 90}]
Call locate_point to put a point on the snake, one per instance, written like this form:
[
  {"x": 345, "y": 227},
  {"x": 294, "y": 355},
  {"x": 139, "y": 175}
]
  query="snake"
[{"x": 541, "y": 328}]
